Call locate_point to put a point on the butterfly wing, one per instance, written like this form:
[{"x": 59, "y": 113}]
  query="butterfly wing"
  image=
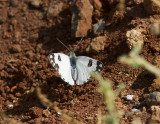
[
  {"x": 61, "y": 63},
  {"x": 84, "y": 66}
]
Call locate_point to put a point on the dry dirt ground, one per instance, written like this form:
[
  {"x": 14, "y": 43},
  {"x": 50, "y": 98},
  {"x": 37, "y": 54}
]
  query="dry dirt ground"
[{"x": 28, "y": 36}]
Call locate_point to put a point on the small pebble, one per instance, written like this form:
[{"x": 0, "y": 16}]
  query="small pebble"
[
  {"x": 16, "y": 48},
  {"x": 135, "y": 110},
  {"x": 153, "y": 99},
  {"x": 130, "y": 97},
  {"x": 144, "y": 109},
  {"x": 59, "y": 113},
  {"x": 99, "y": 26},
  {"x": 10, "y": 106},
  {"x": 14, "y": 3},
  {"x": 54, "y": 9},
  {"x": 35, "y": 3}
]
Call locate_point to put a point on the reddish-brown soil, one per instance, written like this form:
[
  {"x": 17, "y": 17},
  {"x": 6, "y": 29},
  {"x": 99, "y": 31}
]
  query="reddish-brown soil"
[{"x": 28, "y": 36}]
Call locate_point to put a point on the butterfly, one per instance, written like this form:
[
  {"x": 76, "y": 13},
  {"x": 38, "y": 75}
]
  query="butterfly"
[{"x": 74, "y": 69}]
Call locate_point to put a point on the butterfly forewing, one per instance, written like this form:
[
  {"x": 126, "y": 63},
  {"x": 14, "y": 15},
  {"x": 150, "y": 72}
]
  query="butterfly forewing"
[{"x": 61, "y": 63}]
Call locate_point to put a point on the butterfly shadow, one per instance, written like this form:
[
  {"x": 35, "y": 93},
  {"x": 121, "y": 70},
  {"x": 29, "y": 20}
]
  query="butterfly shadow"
[
  {"x": 56, "y": 90},
  {"x": 59, "y": 91}
]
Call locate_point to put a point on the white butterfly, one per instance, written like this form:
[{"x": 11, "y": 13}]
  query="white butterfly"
[{"x": 73, "y": 69}]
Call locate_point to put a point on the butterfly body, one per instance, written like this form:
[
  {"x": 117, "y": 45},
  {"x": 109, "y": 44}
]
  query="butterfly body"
[{"x": 74, "y": 69}]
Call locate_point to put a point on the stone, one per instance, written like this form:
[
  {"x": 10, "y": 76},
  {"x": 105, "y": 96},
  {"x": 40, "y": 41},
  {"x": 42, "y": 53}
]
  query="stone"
[
  {"x": 156, "y": 84},
  {"x": 152, "y": 6},
  {"x": 10, "y": 106},
  {"x": 46, "y": 113},
  {"x": 35, "y": 3},
  {"x": 3, "y": 15},
  {"x": 155, "y": 29},
  {"x": 97, "y": 44},
  {"x": 33, "y": 37},
  {"x": 12, "y": 12},
  {"x": 153, "y": 99},
  {"x": 157, "y": 61},
  {"x": 155, "y": 113},
  {"x": 97, "y": 4},
  {"x": 54, "y": 9},
  {"x": 1, "y": 67},
  {"x": 14, "y": 3},
  {"x": 17, "y": 35},
  {"x": 16, "y": 48},
  {"x": 81, "y": 23},
  {"x": 36, "y": 112},
  {"x": 30, "y": 54},
  {"x": 99, "y": 26},
  {"x": 6, "y": 35},
  {"x": 134, "y": 37}
]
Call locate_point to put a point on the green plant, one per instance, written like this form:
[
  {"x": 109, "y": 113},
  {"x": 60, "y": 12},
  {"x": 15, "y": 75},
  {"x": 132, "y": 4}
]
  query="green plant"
[
  {"x": 136, "y": 61},
  {"x": 109, "y": 99}
]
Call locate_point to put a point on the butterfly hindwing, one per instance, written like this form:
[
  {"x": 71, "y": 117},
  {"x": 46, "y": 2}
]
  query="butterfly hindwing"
[
  {"x": 84, "y": 66},
  {"x": 61, "y": 63}
]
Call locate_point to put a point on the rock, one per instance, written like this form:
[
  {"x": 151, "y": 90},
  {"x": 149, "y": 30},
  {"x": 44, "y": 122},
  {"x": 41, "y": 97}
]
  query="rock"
[
  {"x": 135, "y": 110},
  {"x": 97, "y": 15},
  {"x": 115, "y": 17},
  {"x": 18, "y": 94},
  {"x": 130, "y": 97},
  {"x": 97, "y": 44},
  {"x": 155, "y": 113},
  {"x": 151, "y": 6},
  {"x": 1, "y": 67},
  {"x": 144, "y": 109},
  {"x": 37, "y": 112},
  {"x": 14, "y": 22},
  {"x": 3, "y": 15},
  {"x": 155, "y": 29},
  {"x": 14, "y": 3},
  {"x": 97, "y": 4},
  {"x": 35, "y": 3},
  {"x": 39, "y": 47},
  {"x": 33, "y": 37},
  {"x": 10, "y": 106},
  {"x": 16, "y": 48},
  {"x": 121, "y": 5},
  {"x": 6, "y": 35},
  {"x": 59, "y": 113},
  {"x": 81, "y": 17},
  {"x": 100, "y": 25},
  {"x": 156, "y": 84},
  {"x": 153, "y": 99},
  {"x": 17, "y": 35},
  {"x": 156, "y": 47},
  {"x": 54, "y": 9},
  {"x": 30, "y": 54},
  {"x": 46, "y": 113},
  {"x": 3, "y": 74},
  {"x": 134, "y": 37},
  {"x": 138, "y": 1},
  {"x": 157, "y": 60},
  {"x": 12, "y": 12}
]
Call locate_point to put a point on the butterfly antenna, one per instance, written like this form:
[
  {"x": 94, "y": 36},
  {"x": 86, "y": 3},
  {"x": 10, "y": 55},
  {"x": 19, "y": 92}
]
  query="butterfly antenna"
[
  {"x": 78, "y": 43},
  {"x": 63, "y": 44}
]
